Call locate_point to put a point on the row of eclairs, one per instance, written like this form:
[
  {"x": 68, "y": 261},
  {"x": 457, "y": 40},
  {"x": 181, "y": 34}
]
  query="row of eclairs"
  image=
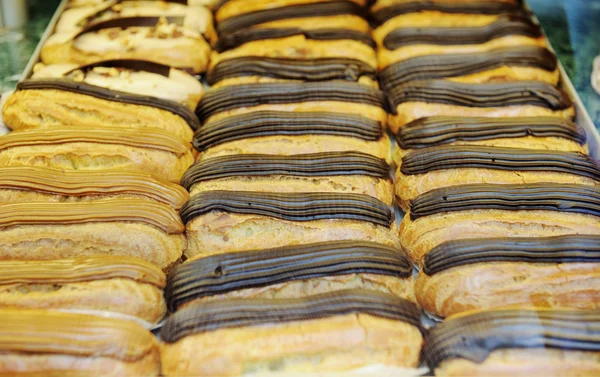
[{"x": 257, "y": 220}]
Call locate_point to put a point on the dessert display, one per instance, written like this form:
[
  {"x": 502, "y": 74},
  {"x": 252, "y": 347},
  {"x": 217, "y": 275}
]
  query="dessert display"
[
  {"x": 292, "y": 272},
  {"x": 86, "y": 284},
  {"x": 332, "y": 332},
  {"x": 469, "y": 274},
  {"x": 518, "y": 342},
  {"x": 49, "y": 343}
]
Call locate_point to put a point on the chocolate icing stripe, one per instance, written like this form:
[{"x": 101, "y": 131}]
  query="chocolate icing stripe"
[
  {"x": 503, "y": 27},
  {"x": 112, "y": 95},
  {"x": 323, "y": 69},
  {"x": 570, "y": 198},
  {"x": 562, "y": 249},
  {"x": 454, "y": 65},
  {"x": 232, "y": 40},
  {"x": 328, "y": 8},
  {"x": 490, "y": 7},
  {"x": 237, "y": 96},
  {"x": 237, "y": 313},
  {"x": 504, "y": 94},
  {"x": 304, "y": 165},
  {"x": 269, "y": 123},
  {"x": 134, "y": 65},
  {"x": 422, "y": 161},
  {"x": 473, "y": 337},
  {"x": 439, "y": 130},
  {"x": 290, "y": 206},
  {"x": 228, "y": 272},
  {"x": 127, "y": 22}
]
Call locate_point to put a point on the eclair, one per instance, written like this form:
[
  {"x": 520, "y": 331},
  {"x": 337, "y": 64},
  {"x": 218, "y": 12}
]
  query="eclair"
[
  {"x": 428, "y": 98},
  {"x": 50, "y": 343},
  {"x": 87, "y": 284},
  {"x": 35, "y": 184},
  {"x": 517, "y": 342},
  {"x": 153, "y": 151},
  {"x": 544, "y": 133},
  {"x": 207, "y": 3},
  {"x": 341, "y": 172},
  {"x": 118, "y": 227},
  {"x": 554, "y": 272},
  {"x": 169, "y": 40},
  {"x": 349, "y": 331},
  {"x": 423, "y": 170},
  {"x": 497, "y": 65},
  {"x": 292, "y": 133},
  {"x": 491, "y": 211},
  {"x": 124, "y": 94},
  {"x": 292, "y": 272},
  {"x": 226, "y": 221}
]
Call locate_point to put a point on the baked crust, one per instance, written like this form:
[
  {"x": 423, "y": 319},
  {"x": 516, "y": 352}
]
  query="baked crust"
[
  {"x": 493, "y": 285},
  {"x": 220, "y": 232},
  {"x": 330, "y": 344},
  {"x": 233, "y": 8},
  {"x": 419, "y": 236}
]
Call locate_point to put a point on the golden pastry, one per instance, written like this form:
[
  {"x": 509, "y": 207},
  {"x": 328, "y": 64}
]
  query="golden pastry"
[
  {"x": 226, "y": 221},
  {"x": 292, "y": 272},
  {"x": 341, "y": 172},
  {"x": 52, "y": 344},
  {"x": 153, "y": 151},
  {"x": 359, "y": 331},
  {"x": 517, "y": 342},
  {"x": 555, "y": 272},
  {"x": 118, "y": 227},
  {"x": 124, "y": 285}
]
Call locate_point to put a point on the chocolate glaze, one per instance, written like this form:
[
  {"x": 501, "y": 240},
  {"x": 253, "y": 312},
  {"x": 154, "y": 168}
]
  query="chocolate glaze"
[
  {"x": 517, "y": 93},
  {"x": 134, "y": 65},
  {"x": 562, "y": 249},
  {"x": 440, "y": 130},
  {"x": 228, "y": 272},
  {"x": 249, "y": 95},
  {"x": 473, "y": 337},
  {"x": 447, "y": 6},
  {"x": 320, "y": 69},
  {"x": 269, "y": 123},
  {"x": 290, "y": 206},
  {"x": 304, "y": 165},
  {"x": 454, "y": 65},
  {"x": 231, "y": 313},
  {"x": 513, "y": 24},
  {"x": 127, "y": 22},
  {"x": 232, "y": 40},
  {"x": 328, "y": 8},
  {"x": 570, "y": 198},
  {"x": 111, "y": 95},
  {"x": 422, "y": 161}
]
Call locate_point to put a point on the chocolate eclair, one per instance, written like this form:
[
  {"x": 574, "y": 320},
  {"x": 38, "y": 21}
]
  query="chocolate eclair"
[
  {"x": 335, "y": 97},
  {"x": 358, "y": 331},
  {"x": 544, "y": 133},
  {"x": 502, "y": 64},
  {"x": 428, "y": 98},
  {"x": 153, "y": 151},
  {"x": 169, "y": 40},
  {"x": 292, "y": 133},
  {"x": 555, "y": 272},
  {"x": 491, "y": 211},
  {"x": 87, "y": 284},
  {"x": 35, "y": 184},
  {"x": 342, "y": 172},
  {"x": 423, "y": 170},
  {"x": 119, "y": 93},
  {"x": 118, "y": 227},
  {"x": 51, "y": 343},
  {"x": 517, "y": 342},
  {"x": 292, "y": 272},
  {"x": 226, "y": 221}
]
